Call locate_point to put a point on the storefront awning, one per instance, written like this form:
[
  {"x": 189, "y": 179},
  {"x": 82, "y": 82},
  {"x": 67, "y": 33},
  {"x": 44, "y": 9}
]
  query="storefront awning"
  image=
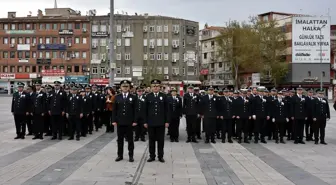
[{"x": 192, "y": 82}]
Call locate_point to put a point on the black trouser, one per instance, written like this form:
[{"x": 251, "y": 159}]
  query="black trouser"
[
  {"x": 57, "y": 125},
  {"x": 66, "y": 126},
  {"x": 279, "y": 130},
  {"x": 226, "y": 127},
  {"x": 290, "y": 129},
  {"x": 107, "y": 121},
  {"x": 219, "y": 127},
  {"x": 251, "y": 126},
  {"x": 96, "y": 120},
  {"x": 309, "y": 128},
  {"x": 125, "y": 132},
  {"x": 140, "y": 129},
  {"x": 259, "y": 129},
  {"x": 210, "y": 124},
  {"x": 233, "y": 128},
  {"x": 30, "y": 119},
  {"x": 156, "y": 133},
  {"x": 47, "y": 124},
  {"x": 74, "y": 125},
  {"x": 319, "y": 128},
  {"x": 270, "y": 127},
  {"x": 198, "y": 127},
  {"x": 20, "y": 124},
  {"x": 90, "y": 123},
  {"x": 242, "y": 126},
  {"x": 174, "y": 128},
  {"x": 298, "y": 129},
  {"x": 84, "y": 129},
  {"x": 38, "y": 124},
  {"x": 191, "y": 126}
]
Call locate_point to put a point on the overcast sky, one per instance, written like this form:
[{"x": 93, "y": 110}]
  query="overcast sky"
[{"x": 214, "y": 12}]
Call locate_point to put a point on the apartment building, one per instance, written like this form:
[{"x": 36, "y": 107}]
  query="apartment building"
[
  {"x": 215, "y": 71},
  {"x": 46, "y": 47},
  {"x": 146, "y": 45}
]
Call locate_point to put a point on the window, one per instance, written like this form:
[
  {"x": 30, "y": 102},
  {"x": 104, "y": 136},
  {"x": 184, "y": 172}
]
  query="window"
[
  {"x": 62, "y": 40},
  {"x": 27, "y": 40},
  {"x": 159, "y": 56},
  {"x": 48, "y": 26},
  {"x": 118, "y": 28},
  {"x": 152, "y": 56},
  {"x": 54, "y": 67},
  {"x": 12, "y": 54},
  {"x": 176, "y": 71},
  {"x": 176, "y": 56},
  {"x": 40, "y": 40},
  {"x": 145, "y": 42},
  {"x": 158, "y": 70},
  {"x": 76, "y": 70},
  {"x": 5, "y": 26},
  {"x": 323, "y": 74},
  {"x": 41, "y": 26},
  {"x": 118, "y": 56},
  {"x": 145, "y": 56},
  {"x": 151, "y": 28},
  {"x": 144, "y": 70},
  {"x": 183, "y": 71},
  {"x": 77, "y": 40},
  {"x": 102, "y": 70},
  {"x": 54, "y": 40},
  {"x": 27, "y": 54},
  {"x": 70, "y": 26},
  {"x": 118, "y": 42},
  {"x": 76, "y": 54},
  {"x": 61, "y": 67},
  {"x": 12, "y": 69},
  {"x": 34, "y": 40},
  {"x": 118, "y": 70},
  {"x": 5, "y": 69},
  {"x": 94, "y": 56},
  {"x": 166, "y": 42},
  {"x": 13, "y": 26},
  {"x": 84, "y": 40},
  {"x": 158, "y": 28},
  {"x": 102, "y": 56},
  {"x": 175, "y": 42},
  {"x": 47, "y": 40},
  {"x": 77, "y": 26},
  {"x": 103, "y": 28},
  {"x": 84, "y": 25},
  {"x": 165, "y": 28},
  {"x": 94, "y": 28},
  {"x": 27, "y": 69},
  {"x": 47, "y": 54},
  {"x": 94, "y": 42},
  {"x": 19, "y": 69},
  {"x": 166, "y": 56},
  {"x": 5, "y": 54},
  {"x": 84, "y": 54},
  {"x": 54, "y": 54},
  {"x": 265, "y": 18},
  {"x": 20, "y": 54},
  {"x": 176, "y": 27},
  {"x": 12, "y": 40},
  {"x": 127, "y": 70},
  {"x": 34, "y": 69},
  {"x": 127, "y": 42},
  {"x": 152, "y": 42},
  {"x": 159, "y": 42},
  {"x": 103, "y": 42},
  {"x": 55, "y": 26},
  {"x": 20, "y": 40},
  {"x": 309, "y": 73},
  {"x": 5, "y": 40},
  {"x": 21, "y": 27},
  {"x": 40, "y": 55},
  {"x": 127, "y": 56},
  {"x": 34, "y": 54},
  {"x": 69, "y": 69},
  {"x": 165, "y": 70},
  {"x": 94, "y": 70},
  {"x": 127, "y": 28}
]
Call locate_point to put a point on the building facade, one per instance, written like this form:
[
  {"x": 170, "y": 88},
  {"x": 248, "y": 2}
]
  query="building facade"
[
  {"x": 46, "y": 47},
  {"x": 215, "y": 71},
  {"x": 146, "y": 47}
]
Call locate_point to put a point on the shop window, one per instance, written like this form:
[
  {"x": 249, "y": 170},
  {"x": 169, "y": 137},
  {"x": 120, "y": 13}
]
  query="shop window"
[
  {"x": 34, "y": 69},
  {"x": 76, "y": 69}
]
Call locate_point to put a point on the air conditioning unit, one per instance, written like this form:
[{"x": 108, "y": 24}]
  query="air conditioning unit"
[
  {"x": 73, "y": 56},
  {"x": 84, "y": 30},
  {"x": 69, "y": 44},
  {"x": 94, "y": 46},
  {"x": 145, "y": 29},
  {"x": 33, "y": 44},
  {"x": 67, "y": 59},
  {"x": 175, "y": 74},
  {"x": 166, "y": 77},
  {"x": 174, "y": 60},
  {"x": 175, "y": 46},
  {"x": 151, "y": 46},
  {"x": 176, "y": 31},
  {"x": 12, "y": 45}
]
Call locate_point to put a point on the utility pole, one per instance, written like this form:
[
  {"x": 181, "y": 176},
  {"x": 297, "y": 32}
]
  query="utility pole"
[
  {"x": 112, "y": 64},
  {"x": 321, "y": 80}
]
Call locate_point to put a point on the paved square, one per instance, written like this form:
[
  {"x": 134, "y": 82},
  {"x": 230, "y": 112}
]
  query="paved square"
[{"x": 91, "y": 161}]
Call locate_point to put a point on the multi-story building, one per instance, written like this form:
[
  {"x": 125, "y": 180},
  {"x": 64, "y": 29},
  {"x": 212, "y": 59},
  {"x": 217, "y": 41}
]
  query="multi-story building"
[
  {"x": 46, "y": 47},
  {"x": 304, "y": 68},
  {"x": 146, "y": 46},
  {"x": 215, "y": 70}
]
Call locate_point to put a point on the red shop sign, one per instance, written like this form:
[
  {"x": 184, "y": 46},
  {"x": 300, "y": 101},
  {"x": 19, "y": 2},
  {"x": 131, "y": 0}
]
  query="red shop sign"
[
  {"x": 99, "y": 81},
  {"x": 204, "y": 71},
  {"x": 7, "y": 75},
  {"x": 53, "y": 72}
]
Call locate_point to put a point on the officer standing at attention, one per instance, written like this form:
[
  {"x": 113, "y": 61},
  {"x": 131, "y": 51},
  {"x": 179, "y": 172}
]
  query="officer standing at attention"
[
  {"x": 140, "y": 115},
  {"x": 157, "y": 119},
  {"x": 20, "y": 109},
  {"x": 299, "y": 115},
  {"x": 175, "y": 106},
  {"x": 190, "y": 109},
  {"x": 74, "y": 113},
  {"x": 30, "y": 93},
  {"x": 57, "y": 110},
  {"x": 123, "y": 116},
  {"x": 38, "y": 110},
  {"x": 321, "y": 114}
]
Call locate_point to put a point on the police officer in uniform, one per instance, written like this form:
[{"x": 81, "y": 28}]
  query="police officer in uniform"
[
  {"x": 124, "y": 117},
  {"x": 226, "y": 116},
  {"x": 309, "y": 122},
  {"x": 39, "y": 111},
  {"x": 321, "y": 114},
  {"x": 74, "y": 113},
  {"x": 260, "y": 113},
  {"x": 280, "y": 116},
  {"x": 57, "y": 110},
  {"x": 30, "y": 93},
  {"x": 140, "y": 115},
  {"x": 157, "y": 119},
  {"x": 242, "y": 112},
  {"x": 92, "y": 104},
  {"x": 175, "y": 106},
  {"x": 198, "y": 120},
  {"x": 47, "y": 120},
  {"x": 190, "y": 109},
  {"x": 20, "y": 109},
  {"x": 299, "y": 115}
]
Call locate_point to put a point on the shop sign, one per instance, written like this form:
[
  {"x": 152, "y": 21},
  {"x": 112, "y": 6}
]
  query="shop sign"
[
  {"x": 77, "y": 79},
  {"x": 7, "y": 75},
  {"x": 100, "y": 34},
  {"x": 61, "y": 47},
  {"x": 23, "y": 60},
  {"x": 99, "y": 81},
  {"x": 312, "y": 79},
  {"x": 53, "y": 72},
  {"x": 52, "y": 79},
  {"x": 65, "y": 32},
  {"x": 43, "y": 61},
  {"x": 20, "y": 32}
]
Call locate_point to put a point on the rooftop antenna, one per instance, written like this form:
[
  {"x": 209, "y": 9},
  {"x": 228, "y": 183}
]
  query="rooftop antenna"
[{"x": 55, "y": 4}]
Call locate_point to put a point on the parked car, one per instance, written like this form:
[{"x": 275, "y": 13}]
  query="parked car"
[{"x": 3, "y": 90}]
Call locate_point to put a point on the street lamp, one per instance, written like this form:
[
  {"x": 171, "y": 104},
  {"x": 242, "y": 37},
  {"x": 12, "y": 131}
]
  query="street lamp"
[
  {"x": 321, "y": 80},
  {"x": 111, "y": 45}
]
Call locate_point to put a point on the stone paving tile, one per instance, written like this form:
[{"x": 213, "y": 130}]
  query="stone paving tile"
[
  {"x": 63, "y": 168},
  {"x": 22, "y": 170}
]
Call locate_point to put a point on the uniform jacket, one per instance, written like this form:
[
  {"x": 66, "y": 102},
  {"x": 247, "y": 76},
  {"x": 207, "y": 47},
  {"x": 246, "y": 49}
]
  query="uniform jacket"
[
  {"x": 309, "y": 106},
  {"x": 75, "y": 105},
  {"x": 321, "y": 109},
  {"x": 280, "y": 110},
  {"x": 226, "y": 105},
  {"x": 39, "y": 102},
  {"x": 141, "y": 108},
  {"x": 175, "y": 106},
  {"x": 242, "y": 107},
  {"x": 57, "y": 102},
  {"x": 298, "y": 108},
  {"x": 124, "y": 110},
  {"x": 210, "y": 107},
  {"x": 20, "y": 103},
  {"x": 191, "y": 104},
  {"x": 157, "y": 109},
  {"x": 260, "y": 107}
]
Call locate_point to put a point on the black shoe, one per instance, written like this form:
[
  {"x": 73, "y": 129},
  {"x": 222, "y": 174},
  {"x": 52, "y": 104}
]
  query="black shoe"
[
  {"x": 176, "y": 140},
  {"x": 323, "y": 143},
  {"x": 194, "y": 141},
  {"x": 223, "y": 140},
  {"x": 36, "y": 137},
  {"x": 282, "y": 141},
  {"x": 29, "y": 134},
  {"x": 17, "y": 137},
  {"x": 118, "y": 159},
  {"x": 151, "y": 160},
  {"x": 256, "y": 141},
  {"x": 316, "y": 142},
  {"x": 296, "y": 142},
  {"x": 54, "y": 138},
  {"x": 71, "y": 138},
  {"x": 60, "y": 138},
  {"x": 302, "y": 142},
  {"x": 22, "y": 137},
  {"x": 161, "y": 160},
  {"x": 131, "y": 159},
  {"x": 213, "y": 141},
  {"x": 172, "y": 140},
  {"x": 263, "y": 141},
  {"x": 77, "y": 138},
  {"x": 90, "y": 132},
  {"x": 277, "y": 141},
  {"x": 41, "y": 137},
  {"x": 188, "y": 141},
  {"x": 230, "y": 141},
  {"x": 207, "y": 141},
  {"x": 136, "y": 139}
]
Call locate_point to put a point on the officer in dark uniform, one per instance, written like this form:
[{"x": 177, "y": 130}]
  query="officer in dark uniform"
[
  {"x": 57, "y": 106},
  {"x": 198, "y": 120},
  {"x": 140, "y": 115},
  {"x": 271, "y": 125},
  {"x": 30, "y": 93},
  {"x": 124, "y": 117},
  {"x": 20, "y": 109},
  {"x": 209, "y": 111},
  {"x": 74, "y": 113},
  {"x": 299, "y": 115},
  {"x": 39, "y": 111},
  {"x": 157, "y": 119},
  {"x": 47, "y": 120},
  {"x": 101, "y": 107},
  {"x": 260, "y": 113},
  {"x": 175, "y": 106},
  {"x": 241, "y": 109},
  {"x": 310, "y": 99},
  {"x": 97, "y": 105},
  {"x": 226, "y": 116},
  {"x": 190, "y": 109},
  {"x": 219, "y": 124},
  {"x": 280, "y": 116},
  {"x": 252, "y": 124},
  {"x": 93, "y": 106},
  {"x": 321, "y": 114},
  {"x": 87, "y": 108}
]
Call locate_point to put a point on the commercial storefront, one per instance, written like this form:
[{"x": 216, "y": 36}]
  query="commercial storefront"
[
  {"x": 10, "y": 80},
  {"x": 105, "y": 81},
  {"x": 77, "y": 79},
  {"x": 51, "y": 75}
]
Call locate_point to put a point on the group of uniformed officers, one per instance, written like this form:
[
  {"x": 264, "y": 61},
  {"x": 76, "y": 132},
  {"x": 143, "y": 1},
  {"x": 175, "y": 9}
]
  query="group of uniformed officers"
[{"x": 250, "y": 114}]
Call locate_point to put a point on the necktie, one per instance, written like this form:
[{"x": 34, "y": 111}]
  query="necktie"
[
  {"x": 155, "y": 95},
  {"x": 124, "y": 96}
]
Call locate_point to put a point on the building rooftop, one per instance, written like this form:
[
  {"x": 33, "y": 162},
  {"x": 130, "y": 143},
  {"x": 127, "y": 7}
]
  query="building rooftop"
[{"x": 281, "y": 13}]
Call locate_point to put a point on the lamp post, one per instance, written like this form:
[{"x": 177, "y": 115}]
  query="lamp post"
[
  {"x": 111, "y": 46},
  {"x": 321, "y": 80}
]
